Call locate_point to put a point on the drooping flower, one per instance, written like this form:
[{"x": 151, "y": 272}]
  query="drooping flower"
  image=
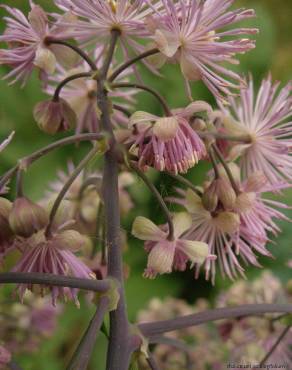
[
  {"x": 53, "y": 255},
  {"x": 166, "y": 143},
  {"x": 54, "y": 116},
  {"x": 190, "y": 32},
  {"x": 26, "y": 38},
  {"x": 167, "y": 255},
  {"x": 99, "y": 17},
  {"x": 266, "y": 119}
]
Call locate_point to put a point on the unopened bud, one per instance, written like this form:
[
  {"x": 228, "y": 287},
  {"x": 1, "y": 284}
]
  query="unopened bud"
[
  {"x": 27, "y": 217},
  {"x": 5, "y": 229},
  {"x": 70, "y": 240},
  {"x": 219, "y": 190},
  {"x": 210, "y": 197},
  {"x": 54, "y": 116}
]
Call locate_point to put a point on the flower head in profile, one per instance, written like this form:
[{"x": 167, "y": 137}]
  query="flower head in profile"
[
  {"x": 54, "y": 255},
  {"x": 190, "y": 32},
  {"x": 166, "y": 143},
  {"x": 258, "y": 213},
  {"x": 266, "y": 120},
  {"x": 27, "y": 47},
  {"x": 167, "y": 255},
  {"x": 98, "y": 18}
]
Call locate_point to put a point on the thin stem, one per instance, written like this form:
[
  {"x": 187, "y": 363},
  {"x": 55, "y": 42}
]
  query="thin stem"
[
  {"x": 130, "y": 62},
  {"x": 101, "y": 286},
  {"x": 159, "y": 97},
  {"x": 67, "y": 80},
  {"x": 185, "y": 182},
  {"x": 275, "y": 345},
  {"x": 80, "y": 52},
  {"x": 226, "y": 168},
  {"x": 158, "y": 197},
  {"x": 81, "y": 356},
  {"x": 122, "y": 109},
  {"x": 109, "y": 57},
  {"x": 27, "y": 161},
  {"x": 160, "y": 327},
  {"x": 152, "y": 362},
  {"x": 67, "y": 186},
  {"x": 19, "y": 183}
]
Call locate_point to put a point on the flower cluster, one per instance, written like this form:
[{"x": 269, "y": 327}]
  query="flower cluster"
[
  {"x": 25, "y": 326},
  {"x": 240, "y": 341},
  {"x": 86, "y": 54}
]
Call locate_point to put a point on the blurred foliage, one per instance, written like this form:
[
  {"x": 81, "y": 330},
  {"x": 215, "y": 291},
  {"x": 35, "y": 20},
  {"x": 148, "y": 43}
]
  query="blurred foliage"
[{"x": 273, "y": 53}]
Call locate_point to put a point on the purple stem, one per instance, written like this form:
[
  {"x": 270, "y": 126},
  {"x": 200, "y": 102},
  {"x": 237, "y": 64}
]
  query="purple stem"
[
  {"x": 81, "y": 357},
  {"x": 101, "y": 286},
  {"x": 118, "y": 356},
  {"x": 130, "y": 62},
  {"x": 160, "y": 327}
]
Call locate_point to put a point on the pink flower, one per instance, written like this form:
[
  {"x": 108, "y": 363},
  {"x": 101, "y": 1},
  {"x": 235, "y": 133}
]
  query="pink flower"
[
  {"x": 99, "y": 18},
  {"x": 53, "y": 255},
  {"x": 236, "y": 234},
  {"x": 257, "y": 214},
  {"x": 167, "y": 143},
  {"x": 266, "y": 119},
  {"x": 189, "y": 32},
  {"x": 26, "y": 38},
  {"x": 166, "y": 255}
]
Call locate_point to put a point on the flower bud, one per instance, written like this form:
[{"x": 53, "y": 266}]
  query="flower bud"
[
  {"x": 54, "y": 116},
  {"x": 70, "y": 240},
  {"x": 219, "y": 190},
  {"x": 210, "y": 197},
  {"x": 5, "y": 229},
  {"x": 27, "y": 217}
]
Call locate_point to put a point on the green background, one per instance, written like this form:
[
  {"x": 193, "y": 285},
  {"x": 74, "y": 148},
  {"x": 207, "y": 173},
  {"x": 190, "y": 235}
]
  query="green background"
[{"x": 273, "y": 53}]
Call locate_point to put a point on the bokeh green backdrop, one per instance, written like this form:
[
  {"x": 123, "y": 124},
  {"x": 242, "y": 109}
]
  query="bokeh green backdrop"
[{"x": 273, "y": 53}]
